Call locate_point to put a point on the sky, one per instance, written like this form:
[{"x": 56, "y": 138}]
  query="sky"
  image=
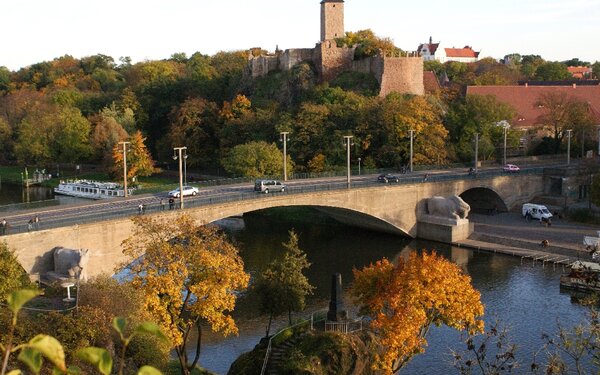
[{"x": 42, "y": 30}]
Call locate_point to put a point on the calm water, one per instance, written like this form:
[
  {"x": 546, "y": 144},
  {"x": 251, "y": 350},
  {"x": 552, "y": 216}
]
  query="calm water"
[
  {"x": 11, "y": 194},
  {"x": 524, "y": 296}
]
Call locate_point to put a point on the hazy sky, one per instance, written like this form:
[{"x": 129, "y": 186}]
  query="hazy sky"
[{"x": 41, "y": 30}]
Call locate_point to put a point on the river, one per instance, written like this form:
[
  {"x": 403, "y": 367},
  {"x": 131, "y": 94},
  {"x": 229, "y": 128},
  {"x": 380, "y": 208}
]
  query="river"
[{"x": 524, "y": 296}]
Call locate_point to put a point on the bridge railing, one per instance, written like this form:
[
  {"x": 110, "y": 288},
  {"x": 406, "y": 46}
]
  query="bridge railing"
[{"x": 83, "y": 215}]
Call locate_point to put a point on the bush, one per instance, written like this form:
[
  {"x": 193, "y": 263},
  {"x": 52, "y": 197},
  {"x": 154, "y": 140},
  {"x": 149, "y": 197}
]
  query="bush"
[{"x": 13, "y": 276}]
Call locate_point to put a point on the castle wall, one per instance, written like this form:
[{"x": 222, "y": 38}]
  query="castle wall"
[
  {"x": 331, "y": 60},
  {"x": 369, "y": 65},
  {"x": 403, "y": 75},
  {"x": 261, "y": 65},
  {"x": 293, "y": 57},
  {"x": 332, "y": 20}
]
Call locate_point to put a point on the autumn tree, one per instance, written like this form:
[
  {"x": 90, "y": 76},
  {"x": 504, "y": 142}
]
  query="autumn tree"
[
  {"x": 139, "y": 160},
  {"x": 283, "y": 287},
  {"x": 368, "y": 44},
  {"x": 407, "y": 298},
  {"x": 13, "y": 276},
  {"x": 190, "y": 275},
  {"x": 256, "y": 159},
  {"x": 106, "y": 134}
]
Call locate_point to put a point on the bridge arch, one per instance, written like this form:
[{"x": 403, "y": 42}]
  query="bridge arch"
[{"x": 483, "y": 199}]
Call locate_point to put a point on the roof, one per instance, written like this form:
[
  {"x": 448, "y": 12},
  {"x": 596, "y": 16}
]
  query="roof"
[
  {"x": 461, "y": 52},
  {"x": 431, "y": 82},
  {"x": 332, "y": 1},
  {"x": 523, "y": 99},
  {"x": 579, "y": 69},
  {"x": 431, "y": 47}
]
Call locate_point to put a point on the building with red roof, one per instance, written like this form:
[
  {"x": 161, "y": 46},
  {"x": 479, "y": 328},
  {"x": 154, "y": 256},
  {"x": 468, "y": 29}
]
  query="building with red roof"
[
  {"x": 580, "y": 72},
  {"x": 433, "y": 51},
  {"x": 524, "y": 99}
]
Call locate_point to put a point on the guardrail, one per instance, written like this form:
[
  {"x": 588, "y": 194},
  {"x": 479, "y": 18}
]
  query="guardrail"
[{"x": 86, "y": 216}]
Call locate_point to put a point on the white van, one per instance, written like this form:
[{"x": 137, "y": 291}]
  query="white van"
[
  {"x": 536, "y": 211},
  {"x": 268, "y": 186}
]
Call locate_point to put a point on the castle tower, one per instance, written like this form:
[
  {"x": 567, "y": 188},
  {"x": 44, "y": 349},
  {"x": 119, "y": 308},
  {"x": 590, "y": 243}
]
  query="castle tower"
[{"x": 332, "y": 19}]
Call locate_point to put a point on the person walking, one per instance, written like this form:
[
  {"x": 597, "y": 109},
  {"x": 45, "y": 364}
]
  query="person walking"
[
  {"x": 171, "y": 203},
  {"x": 3, "y": 226},
  {"x": 162, "y": 204},
  {"x": 141, "y": 209},
  {"x": 30, "y": 225},
  {"x": 36, "y": 222}
]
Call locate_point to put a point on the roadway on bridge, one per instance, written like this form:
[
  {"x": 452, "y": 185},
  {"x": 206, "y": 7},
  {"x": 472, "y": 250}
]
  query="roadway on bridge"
[{"x": 79, "y": 213}]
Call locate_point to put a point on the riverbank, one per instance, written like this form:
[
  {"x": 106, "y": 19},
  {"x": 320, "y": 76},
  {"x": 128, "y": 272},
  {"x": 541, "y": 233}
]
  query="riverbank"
[{"x": 509, "y": 233}]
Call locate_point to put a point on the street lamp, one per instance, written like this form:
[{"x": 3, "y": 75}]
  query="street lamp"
[
  {"x": 505, "y": 125},
  {"x": 177, "y": 154},
  {"x": 125, "y": 166},
  {"x": 284, "y": 140},
  {"x": 185, "y": 169},
  {"x": 476, "y": 150},
  {"x": 359, "y": 166},
  {"x": 348, "y": 143},
  {"x": 412, "y": 133},
  {"x": 569, "y": 146}
]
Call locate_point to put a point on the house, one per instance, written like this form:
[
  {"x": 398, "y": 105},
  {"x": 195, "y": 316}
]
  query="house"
[
  {"x": 523, "y": 99},
  {"x": 580, "y": 72},
  {"x": 432, "y": 51}
]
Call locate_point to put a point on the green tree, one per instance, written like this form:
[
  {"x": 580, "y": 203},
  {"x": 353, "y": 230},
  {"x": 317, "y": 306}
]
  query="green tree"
[
  {"x": 552, "y": 71},
  {"x": 106, "y": 134},
  {"x": 529, "y": 65},
  {"x": 256, "y": 159},
  {"x": 13, "y": 276},
  {"x": 283, "y": 287},
  {"x": 6, "y": 141},
  {"x": 190, "y": 276},
  {"x": 596, "y": 70},
  {"x": 368, "y": 44}
]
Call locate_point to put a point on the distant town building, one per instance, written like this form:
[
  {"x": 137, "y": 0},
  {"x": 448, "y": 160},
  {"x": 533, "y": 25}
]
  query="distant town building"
[
  {"x": 432, "y": 51},
  {"x": 580, "y": 72},
  {"x": 523, "y": 99},
  {"x": 402, "y": 74}
]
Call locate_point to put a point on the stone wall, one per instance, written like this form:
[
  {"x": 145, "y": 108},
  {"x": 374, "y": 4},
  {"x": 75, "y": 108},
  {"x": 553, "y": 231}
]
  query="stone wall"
[
  {"x": 403, "y": 75},
  {"x": 260, "y": 66},
  {"x": 293, "y": 57},
  {"x": 332, "y": 20},
  {"x": 332, "y": 60}
]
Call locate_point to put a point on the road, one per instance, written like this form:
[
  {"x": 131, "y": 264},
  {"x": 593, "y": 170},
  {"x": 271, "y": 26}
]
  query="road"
[{"x": 63, "y": 215}]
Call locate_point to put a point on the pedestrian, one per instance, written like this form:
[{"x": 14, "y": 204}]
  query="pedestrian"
[
  {"x": 30, "y": 225},
  {"x": 3, "y": 226},
  {"x": 36, "y": 222},
  {"x": 171, "y": 203},
  {"x": 162, "y": 204},
  {"x": 425, "y": 177},
  {"x": 141, "y": 209}
]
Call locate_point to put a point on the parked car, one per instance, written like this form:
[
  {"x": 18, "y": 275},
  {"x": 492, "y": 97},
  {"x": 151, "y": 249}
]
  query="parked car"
[
  {"x": 268, "y": 186},
  {"x": 388, "y": 178},
  {"x": 187, "y": 191},
  {"x": 511, "y": 168}
]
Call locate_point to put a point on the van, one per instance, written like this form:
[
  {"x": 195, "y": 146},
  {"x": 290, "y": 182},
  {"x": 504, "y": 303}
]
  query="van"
[
  {"x": 268, "y": 186},
  {"x": 536, "y": 211}
]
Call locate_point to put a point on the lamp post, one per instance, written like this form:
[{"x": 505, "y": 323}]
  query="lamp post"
[
  {"x": 125, "y": 167},
  {"x": 347, "y": 143},
  {"x": 177, "y": 154},
  {"x": 185, "y": 169},
  {"x": 505, "y": 125},
  {"x": 284, "y": 140},
  {"x": 569, "y": 146},
  {"x": 412, "y": 133},
  {"x": 476, "y": 150},
  {"x": 359, "y": 166}
]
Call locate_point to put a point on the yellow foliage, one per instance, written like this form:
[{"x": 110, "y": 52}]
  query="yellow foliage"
[
  {"x": 405, "y": 299},
  {"x": 187, "y": 272}
]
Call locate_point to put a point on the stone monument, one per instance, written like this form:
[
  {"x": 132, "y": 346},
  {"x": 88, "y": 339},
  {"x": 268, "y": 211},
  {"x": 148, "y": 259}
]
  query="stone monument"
[{"x": 445, "y": 220}]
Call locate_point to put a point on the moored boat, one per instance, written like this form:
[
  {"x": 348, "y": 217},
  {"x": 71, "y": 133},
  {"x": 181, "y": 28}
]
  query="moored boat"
[
  {"x": 582, "y": 275},
  {"x": 91, "y": 189}
]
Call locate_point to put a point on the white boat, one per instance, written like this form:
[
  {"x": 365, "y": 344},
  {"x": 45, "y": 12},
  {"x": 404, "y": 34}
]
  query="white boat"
[{"x": 91, "y": 189}]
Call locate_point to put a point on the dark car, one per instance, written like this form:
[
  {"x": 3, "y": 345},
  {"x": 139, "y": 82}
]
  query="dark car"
[{"x": 388, "y": 178}]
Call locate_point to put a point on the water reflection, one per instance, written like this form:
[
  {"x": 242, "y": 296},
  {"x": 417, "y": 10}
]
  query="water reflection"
[{"x": 525, "y": 296}]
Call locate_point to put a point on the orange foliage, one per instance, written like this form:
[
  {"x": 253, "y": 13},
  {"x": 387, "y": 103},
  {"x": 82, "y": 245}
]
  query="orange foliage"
[{"x": 405, "y": 299}]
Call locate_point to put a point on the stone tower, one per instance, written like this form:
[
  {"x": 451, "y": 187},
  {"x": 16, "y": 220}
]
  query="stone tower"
[{"x": 332, "y": 19}]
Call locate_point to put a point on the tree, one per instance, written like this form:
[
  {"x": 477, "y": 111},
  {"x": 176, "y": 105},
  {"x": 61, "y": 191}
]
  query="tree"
[
  {"x": 596, "y": 69},
  {"x": 368, "y": 44},
  {"x": 552, "y": 71},
  {"x": 282, "y": 286},
  {"x": 256, "y": 159},
  {"x": 13, "y": 276},
  {"x": 106, "y": 134},
  {"x": 190, "y": 275},
  {"x": 405, "y": 299},
  {"x": 139, "y": 160}
]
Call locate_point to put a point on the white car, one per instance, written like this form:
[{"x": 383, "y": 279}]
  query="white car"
[
  {"x": 511, "y": 168},
  {"x": 187, "y": 190}
]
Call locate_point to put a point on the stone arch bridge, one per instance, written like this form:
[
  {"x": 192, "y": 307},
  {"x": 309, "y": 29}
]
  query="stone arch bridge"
[{"x": 393, "y": 208}]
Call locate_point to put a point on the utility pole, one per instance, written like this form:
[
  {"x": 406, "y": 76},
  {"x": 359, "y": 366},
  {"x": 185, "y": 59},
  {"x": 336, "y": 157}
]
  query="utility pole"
[
  {"x": 348, "y": 143},
  {"x": 569, "y": 146},
  {"x": 412, "y": 132},
  {"x": 284, "y": 140},
  {"x": 476, "y": 150},
  {"x": 125, "y": 166},
  {"x": 178, "y": 155}
]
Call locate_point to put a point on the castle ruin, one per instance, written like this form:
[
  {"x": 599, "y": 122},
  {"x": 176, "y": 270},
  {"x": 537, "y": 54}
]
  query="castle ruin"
[{"x": 402, "y": 74}]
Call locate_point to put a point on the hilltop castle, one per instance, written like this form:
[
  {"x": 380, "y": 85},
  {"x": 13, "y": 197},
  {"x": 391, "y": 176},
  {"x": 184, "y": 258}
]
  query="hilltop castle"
[{"x": 403, "y": 74}]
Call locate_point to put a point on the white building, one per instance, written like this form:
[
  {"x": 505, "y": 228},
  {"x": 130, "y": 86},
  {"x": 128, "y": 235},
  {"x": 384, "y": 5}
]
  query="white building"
[{"x": 433, "y": 51}]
